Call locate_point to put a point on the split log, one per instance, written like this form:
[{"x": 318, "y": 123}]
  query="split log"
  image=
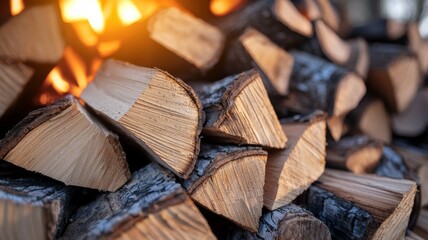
[
  {"x": 413, "y": 121},
  {"x": 238, "y": 110},
  {"x": 63, "y": 141},
  {"x": 346, "y": 220},
  {"x": 13, "y": 78},
  {"x": 358, "y": 154},
  {"x": 31, "y": 206},
  {"x": 287, "y": 222},
  {"x": 291, "y": 171},
  {"x": 279, "y": 20},
  {"x": 151, "y": 206},
  {"x": 33, "y": 35},
  {"x": 389, "y": 201},
  {"x": 394, "y": 75},
  {"x": 254, "y": 50},
  {"x": 149, "y": 107},
  {"x": 228, "y": 180},
  {"x": 198, "y": 50},
  {"x": 381, "y": 30},
  {"x": 372, "y": 119},
  {"x": 317, "y": 84},
  {"x": 353, "y": 54}
]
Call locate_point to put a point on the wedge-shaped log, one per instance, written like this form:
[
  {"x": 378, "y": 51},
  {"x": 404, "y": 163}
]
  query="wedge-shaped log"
[
  {"x": 238, "y": 110},
  {"x": 291, "y": 171},
  {"x": 13, "y": 78},
  {"x": 33, "y": 35},
  {"x": 31, "y": 206},
  {"x": 389, "y": 201},
  {"x": 63, "y": 141},
  {"x": 394, "y": 75},
  {"x": 287, "y": 222},
  {"x": 358, "y": 154},
  {"x": 155, "y": 110},
  {"x": 151, "y": 206},
  {"x": 318, "y": 84},
  {"x": 252, "y": 49},
  {"x": 228, "y": 180}
]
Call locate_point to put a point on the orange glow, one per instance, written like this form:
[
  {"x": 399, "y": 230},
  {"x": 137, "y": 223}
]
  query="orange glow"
[
  {"x": 78, "y": 68},
  {"x": 223, "y": 7},
  {"x": 16, "y": 6},
  {"x": 85, "y": 33},
  {"x": 149, "y": 7},
  {"x": 106, "y": 49},
  {"x": 128, "y": 12},
  {"x": 77, "y": 10},
  {"x": 58, "y": 82}
]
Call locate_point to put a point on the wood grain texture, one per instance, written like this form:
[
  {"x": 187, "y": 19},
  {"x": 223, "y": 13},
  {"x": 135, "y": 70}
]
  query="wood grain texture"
[{"x": 141, "y": 209}]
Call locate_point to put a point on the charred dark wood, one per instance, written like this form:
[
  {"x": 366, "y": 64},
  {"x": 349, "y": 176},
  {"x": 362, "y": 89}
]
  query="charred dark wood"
[
  {"x": 381, "y": 30},
  {"x": 344, "y": 219},
  {"x": 287, "y": 222}
]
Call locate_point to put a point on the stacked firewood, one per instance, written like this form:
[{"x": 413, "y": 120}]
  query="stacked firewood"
[{"x": 294, "y": 142}]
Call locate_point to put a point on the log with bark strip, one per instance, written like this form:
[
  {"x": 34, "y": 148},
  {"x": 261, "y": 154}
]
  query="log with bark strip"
[
  {"x": 394, "y": 75},
  {"x": 149, "y": 107},
  {"x": 65, "y": 142},
  {"x": 198, "y": 50},
  {"x": 320, "y": 10},
  {"x": 151, "y": 206},
  {"x": 317, "y": 84},
  {"x": 31, "y": 206},
  {"x": 388, "y": 201},
  {"x": 291, "y": 171},
  {"x": 358, "y": 154},
  {"x": 228, "y": 180},
  {"x": 287, "y": 222},
  {"x": 238, "y": 110}
]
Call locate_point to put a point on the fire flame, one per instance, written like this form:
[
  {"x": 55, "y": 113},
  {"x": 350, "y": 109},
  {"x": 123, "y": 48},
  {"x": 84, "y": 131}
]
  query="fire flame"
[
  {"x": 16, "y": 6},
  {"x": 128, "y": 12},
  {"x": 78, "y": 10},
  {"x": 223, "y": 7}
]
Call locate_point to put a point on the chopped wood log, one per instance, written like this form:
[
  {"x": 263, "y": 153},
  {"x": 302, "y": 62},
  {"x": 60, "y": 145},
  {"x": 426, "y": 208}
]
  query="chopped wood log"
[
  {"x": 158, "y": 112},
  {"x": 346, "y": 220},
  {"x": 63, "y": 141},
  {"x": 287, "y": 222},
  {"x": 254, "y": 50},
  {"x": 291, "y": 171},
  {"x": 308, "y": 8},
  {"x": 33, "y": 35},
  {"x": 394, "y": 75},
  {"x": 238, "y": 110},
  {"x": 228, "y": 180},
  {"x": 329, "y": 14},
  {"x": 419, "y": 46},
  {"x": 381, "y": 30},
  {"x": 372, "y": 119},
  {"x": 413, "y": 121},
  {"x": 279, "y": 20},
  {"x": 358, "y": 154},
  {"x": 392, "y": 165},
  {"x": 318, "y": 84},
  {"x": 151, "y": 206},
  {"x": 13, "y": 78},
  {"x": 325, "y": 43},
  {"x": 388, "y": 200},
  {"x": 31, "y": 206},
  {"x": 198, "y": 50}
]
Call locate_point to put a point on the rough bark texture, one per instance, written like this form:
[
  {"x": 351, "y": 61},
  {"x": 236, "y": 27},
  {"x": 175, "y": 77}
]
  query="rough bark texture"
[
  {"x": 344, "y": 219},
  {"x": 24, "y": 188},
  {"x": 150, "y": 190},
  {"x": 287, "y": 222}
]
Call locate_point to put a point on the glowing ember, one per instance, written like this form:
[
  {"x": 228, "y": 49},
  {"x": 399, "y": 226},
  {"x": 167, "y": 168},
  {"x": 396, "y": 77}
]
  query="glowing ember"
[
  {"x": 77, "y": 10},
  {"x": 57, "y": 80},
  {"x": 16, "y": 6},
  {"x": 128, "y": 12},
  {"x": 223, "y": 7}
]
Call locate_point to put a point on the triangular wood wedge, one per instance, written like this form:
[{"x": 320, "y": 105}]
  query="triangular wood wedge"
[
  {"x": 151, "y": 206},
  {"x": 291, "y": 171},
  {"x": 287, "y": 222},
  {"x": 63, "y": 141},
  {"x": 228, "y": 180},
  {"x": 31, "y": 206},
  {"x": 155, "y": 110},
  {"x": 390, "y": 201},
  {"x": 238, "y": 110}
]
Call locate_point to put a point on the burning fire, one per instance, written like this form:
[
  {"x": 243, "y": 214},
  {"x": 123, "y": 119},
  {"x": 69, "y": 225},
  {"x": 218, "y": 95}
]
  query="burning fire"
[
  {"x": 16, "y": 6},
  {"x": 223, "y": 7}
]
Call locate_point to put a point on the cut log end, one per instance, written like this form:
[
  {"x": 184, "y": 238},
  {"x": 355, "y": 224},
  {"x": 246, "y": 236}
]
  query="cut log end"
[
  {"x": 290, "y": 16},
  {"x": 375, "y": 122},
  {"x": 350, "y": 91},
  {"x": 161, "y": 112},
  {"x": 90, "y": 156},
  {"x": 332, "y": 45},
  {"x": 291, "y": 171}
]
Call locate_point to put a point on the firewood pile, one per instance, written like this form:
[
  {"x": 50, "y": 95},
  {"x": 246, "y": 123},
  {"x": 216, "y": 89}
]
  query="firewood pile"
[{"x": 275, "y": 121}]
